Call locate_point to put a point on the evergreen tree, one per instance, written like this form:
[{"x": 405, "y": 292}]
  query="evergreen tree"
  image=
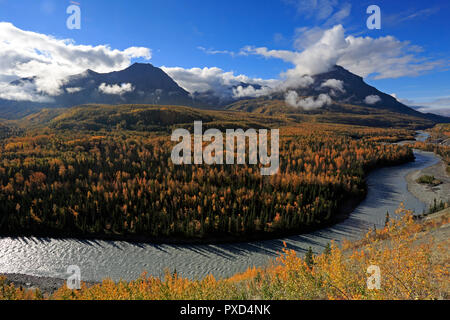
[
  {"x": 386, "y": 222},
  {"x": 309, "y": 257},
  {"x": 327, "y": 250}
]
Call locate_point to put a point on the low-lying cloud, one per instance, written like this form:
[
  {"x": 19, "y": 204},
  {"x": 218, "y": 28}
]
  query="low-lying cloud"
[
  {"x": 438, "y": 106},
  {"x": 373, "y": 99},
  {"x": 250, "y": 91},
  {"x": 74, "y": 90},
  {"x": 223, "y": 84},
  {"x": 337, "y": 85},
  {"x": 116, "y": 89},
  {"x": 23, "y": 92},
  {"x": 309, "y": 103}
]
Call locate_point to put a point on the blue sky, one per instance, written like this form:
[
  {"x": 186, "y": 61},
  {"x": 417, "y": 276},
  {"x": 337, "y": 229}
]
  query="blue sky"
[{"x": 201, "y": 33}]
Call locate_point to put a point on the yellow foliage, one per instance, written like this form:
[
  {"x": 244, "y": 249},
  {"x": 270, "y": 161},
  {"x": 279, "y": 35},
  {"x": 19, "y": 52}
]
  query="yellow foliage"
[{"x": 410, "y": 269}]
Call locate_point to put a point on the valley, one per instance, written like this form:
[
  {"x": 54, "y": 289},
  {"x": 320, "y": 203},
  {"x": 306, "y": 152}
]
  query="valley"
[
  {"x": 105, "y": 172},
  {"x": 241, "y": 150}
]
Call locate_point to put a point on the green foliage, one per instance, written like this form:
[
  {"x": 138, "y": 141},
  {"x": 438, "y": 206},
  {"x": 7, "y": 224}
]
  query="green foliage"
[
  {"x": 327, "y": 250},
  {"x": 309, "y": 258},
  {"x": 431, "y": 180}
]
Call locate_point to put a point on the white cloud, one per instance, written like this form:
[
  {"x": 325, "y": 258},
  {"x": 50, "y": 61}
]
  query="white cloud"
[
  {"x": 383, "y": 57},
  {"x": 213, "y": 52},
  {"x": 372, "y": 99},
  {"x": 409, "y": 14},
  {"x": 138, "y": 52},
  {"x": 26, "y": 54},
  {"x": 309, "y": 103},
  {"x": 305, "y": 37},
  {"x": 115, "y": 88},
  {"x": 395, "y": 96},
  {"x": 250, "y": 91},
  {"x": 334, "y": 84},
  {"x": 440, "y": 105},
  {"x": 439, "y": 102},
  {"x": 293, "y": 82},
  {"x": 223, "y": 84},
  {"x": 327, "y": 12},
  {"x": 74, "y": 90},
  {"x": 23, "y": 92},
  {"x": 340, "y": 15},
  {"x": 227, "y": 85},
  {"x": 319, "y": 9}
]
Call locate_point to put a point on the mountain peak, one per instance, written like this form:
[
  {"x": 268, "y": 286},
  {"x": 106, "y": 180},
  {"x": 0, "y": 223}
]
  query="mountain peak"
[
  {"x": 339, "y": 73},
  {"x": 140, "y": 65},
  {"x": 89, "y": 72}
]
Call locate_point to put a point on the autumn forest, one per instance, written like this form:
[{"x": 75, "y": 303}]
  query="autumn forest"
[{"x": 121, "y": 183}]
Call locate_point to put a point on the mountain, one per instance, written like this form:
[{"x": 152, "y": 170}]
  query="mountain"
[
  {"x": 216, "y": 100},
  {"x": 138, "y": 84},
  {"x": 145, "y": 84},
  {"x": 345, "y": 89}
]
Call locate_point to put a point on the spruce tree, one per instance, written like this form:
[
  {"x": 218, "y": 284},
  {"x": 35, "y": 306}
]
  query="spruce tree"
[
  {"x": 327, "y": 250},
  {"x": 309, "y": 257}
]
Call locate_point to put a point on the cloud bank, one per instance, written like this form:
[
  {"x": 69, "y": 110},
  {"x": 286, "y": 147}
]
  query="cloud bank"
[
  {"x": 223, "y": 84},
  {"x": 49, "y": 60},
  {"x": 383, "y": 57},
  {"x": 438, "y": 106}
]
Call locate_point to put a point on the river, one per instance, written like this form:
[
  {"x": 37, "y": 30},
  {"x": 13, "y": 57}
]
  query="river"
[{"x": 387, "y": 188}]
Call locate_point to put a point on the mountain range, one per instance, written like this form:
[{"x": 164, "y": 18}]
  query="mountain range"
[{"x": 145, "y": 84}]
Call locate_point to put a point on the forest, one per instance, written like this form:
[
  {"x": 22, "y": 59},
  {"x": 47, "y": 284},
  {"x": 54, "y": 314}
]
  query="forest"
[{"x": 118, "y": 183}]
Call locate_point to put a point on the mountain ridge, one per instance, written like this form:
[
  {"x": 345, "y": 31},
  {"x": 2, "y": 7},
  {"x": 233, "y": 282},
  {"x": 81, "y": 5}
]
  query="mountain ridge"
[{"x": 143, "y": 83}]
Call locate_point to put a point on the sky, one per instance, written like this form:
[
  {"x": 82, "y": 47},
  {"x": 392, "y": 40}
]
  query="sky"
[{"x": 206, "y": 44}]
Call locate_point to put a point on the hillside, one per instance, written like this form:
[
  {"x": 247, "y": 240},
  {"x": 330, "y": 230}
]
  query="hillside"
[
  {"x": 144, "y": 118},
  {"x": 335, "y": 113},
  {"x": 254, "y": 113}
]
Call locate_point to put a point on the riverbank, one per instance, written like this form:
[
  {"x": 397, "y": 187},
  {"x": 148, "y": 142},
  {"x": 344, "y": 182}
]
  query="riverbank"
[
  {"x": 429, "y": 193},
  {"x": 432, "y": 230},
  {"x": 98, "y": 259},
  {"x": 46, "y": 285}
]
